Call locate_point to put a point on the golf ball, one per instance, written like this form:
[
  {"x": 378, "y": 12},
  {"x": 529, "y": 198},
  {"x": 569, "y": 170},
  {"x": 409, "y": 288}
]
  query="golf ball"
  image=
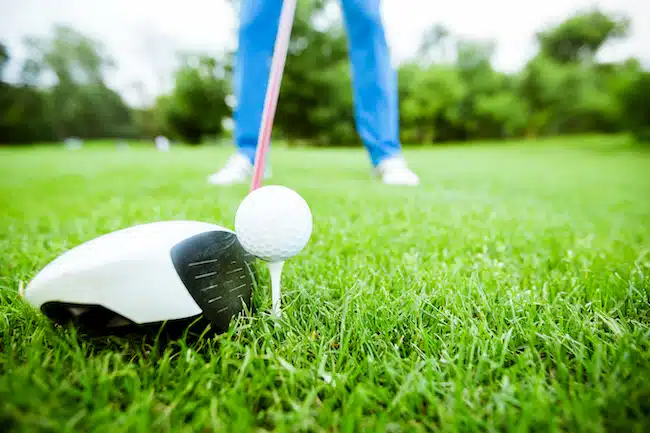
[{"x": 273, "y": 223}]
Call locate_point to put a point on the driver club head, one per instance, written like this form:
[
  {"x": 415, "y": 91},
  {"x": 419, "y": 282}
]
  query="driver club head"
[{"x": 173, "y": 272}]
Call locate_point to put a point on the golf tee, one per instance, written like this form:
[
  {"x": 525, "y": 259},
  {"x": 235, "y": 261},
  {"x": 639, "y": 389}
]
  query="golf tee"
[{"x": 275, "y": 269}]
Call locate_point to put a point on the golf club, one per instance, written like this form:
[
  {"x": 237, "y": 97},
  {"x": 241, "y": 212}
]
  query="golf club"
[
  {"x": 273, "y": 89},
  {"x": 148, "y": 274}
]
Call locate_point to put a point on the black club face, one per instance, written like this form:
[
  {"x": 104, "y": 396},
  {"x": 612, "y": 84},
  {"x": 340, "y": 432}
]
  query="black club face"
[{"x": 218, "y": 273}]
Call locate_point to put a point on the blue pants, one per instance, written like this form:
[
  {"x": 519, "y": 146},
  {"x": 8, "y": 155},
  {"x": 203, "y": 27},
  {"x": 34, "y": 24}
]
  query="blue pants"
[{"x": 373, "y": 77}]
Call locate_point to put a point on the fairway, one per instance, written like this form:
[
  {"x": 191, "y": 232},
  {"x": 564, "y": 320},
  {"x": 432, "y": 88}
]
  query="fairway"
[{"x": 509, "y": 292}]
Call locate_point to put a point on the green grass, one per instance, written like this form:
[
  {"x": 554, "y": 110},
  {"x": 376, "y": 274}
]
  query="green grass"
[{"x": 508, "y": 293}]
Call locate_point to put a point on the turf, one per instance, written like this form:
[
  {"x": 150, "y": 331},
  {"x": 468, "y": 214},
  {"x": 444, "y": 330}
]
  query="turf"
[{"x": 508, "y": 293}]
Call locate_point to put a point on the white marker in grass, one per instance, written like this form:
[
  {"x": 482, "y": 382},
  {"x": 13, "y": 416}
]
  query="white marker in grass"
[{"x": 273, "y": 223}]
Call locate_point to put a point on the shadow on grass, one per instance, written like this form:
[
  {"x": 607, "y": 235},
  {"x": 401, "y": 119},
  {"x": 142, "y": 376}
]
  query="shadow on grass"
[{"x": 152, "y": 340}]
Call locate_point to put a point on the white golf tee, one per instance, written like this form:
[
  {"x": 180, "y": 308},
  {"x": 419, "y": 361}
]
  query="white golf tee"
[{"x": 275, "y": 269}]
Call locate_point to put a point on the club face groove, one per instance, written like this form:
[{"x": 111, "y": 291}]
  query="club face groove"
[{"x": 217, "y": 273}]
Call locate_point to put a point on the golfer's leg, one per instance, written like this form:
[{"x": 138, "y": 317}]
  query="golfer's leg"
[
  {"x": 257, "y": 33},
  {"x": 374, "y": 79}
]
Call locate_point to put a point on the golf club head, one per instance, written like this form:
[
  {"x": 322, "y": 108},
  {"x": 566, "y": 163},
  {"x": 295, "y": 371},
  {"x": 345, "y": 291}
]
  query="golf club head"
[{"x": 176, "y": 272}]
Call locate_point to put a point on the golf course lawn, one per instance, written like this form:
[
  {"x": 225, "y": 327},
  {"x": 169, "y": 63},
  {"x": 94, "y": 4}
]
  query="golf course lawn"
[{"x": 509, "y": 292}]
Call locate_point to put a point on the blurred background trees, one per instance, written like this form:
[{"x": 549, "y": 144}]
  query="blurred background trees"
[
  {"x": 63, "y": 94},
  {"x": 448, "y": 92}
]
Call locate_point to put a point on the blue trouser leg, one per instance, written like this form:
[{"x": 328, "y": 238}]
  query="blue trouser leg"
[
  {"x": 258, "y": 26},
  {"x": 374, "y": 79}
]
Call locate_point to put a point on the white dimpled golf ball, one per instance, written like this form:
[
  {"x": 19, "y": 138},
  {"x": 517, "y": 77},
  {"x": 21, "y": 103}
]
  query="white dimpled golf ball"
[{"x": 273, "y": 223}]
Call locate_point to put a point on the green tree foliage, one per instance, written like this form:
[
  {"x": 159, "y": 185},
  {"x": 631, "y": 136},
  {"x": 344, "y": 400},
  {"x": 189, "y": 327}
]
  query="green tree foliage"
[
  {"x": 23, "y": 115},
  {"x": 473, "y": 61},
  {"x": 565, "y": 88},
  {"x": 636, "y": 106},
  {"x": 63, "y": 92},
  {"x": 70, "y": 56},
  {"x": 567, "y": 97},
  {"x": 197, "y": 106},
  {"x": 431, "y": 102},
  {"x": 152, "y": 121},
  {"x": 449, "y": 91},
  {"x": 4, "y": 59},
  {"x": 581, "y": 36},
  {"x": 452, "y": 92}
]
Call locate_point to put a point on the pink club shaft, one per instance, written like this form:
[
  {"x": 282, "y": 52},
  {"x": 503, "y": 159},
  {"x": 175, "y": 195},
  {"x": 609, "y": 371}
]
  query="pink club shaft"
[{"x": 273, "y": 90}]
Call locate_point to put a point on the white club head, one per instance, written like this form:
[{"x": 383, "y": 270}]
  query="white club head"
[{"x": 146, "y": 274}]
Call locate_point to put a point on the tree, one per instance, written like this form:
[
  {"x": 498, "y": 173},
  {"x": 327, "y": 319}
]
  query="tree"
[
  {"x": 566, "y": 89},
  {"x": 581, "y": 36},
  {"x": 4, "y": 59},
  {"x": 430, "y": 98},
  {"x": 197, "y": 105},
  {"x": 152, "y": 121},
  {"x": 79, "y": 103},
  {"x": 448, "y": 91},
  {"x": 474, "y": 63},
  {"x": 71, "y": 56},
  {"x": 22, "y": 110},
  {"x": 635, "y": 97}
]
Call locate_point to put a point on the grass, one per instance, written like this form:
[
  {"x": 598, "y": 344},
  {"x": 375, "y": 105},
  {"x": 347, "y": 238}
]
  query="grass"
[{"x": 508, "y": 293}]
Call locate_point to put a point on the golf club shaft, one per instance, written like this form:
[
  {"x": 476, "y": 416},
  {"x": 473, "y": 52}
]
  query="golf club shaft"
[{"x": 273, "y": 89}]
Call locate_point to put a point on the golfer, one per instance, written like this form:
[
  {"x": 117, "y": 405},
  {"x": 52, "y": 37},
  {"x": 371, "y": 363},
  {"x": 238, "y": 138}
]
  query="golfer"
[{"x": 374, "y": 84}]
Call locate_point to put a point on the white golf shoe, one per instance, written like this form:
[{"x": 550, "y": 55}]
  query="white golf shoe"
[
  {"x": 238, "y": 169},
  {"x": 395, "y": 171}
]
